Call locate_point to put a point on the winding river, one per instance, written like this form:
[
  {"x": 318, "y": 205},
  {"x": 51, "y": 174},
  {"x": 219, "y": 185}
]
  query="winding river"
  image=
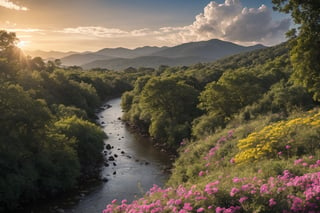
[{"x": 136, "y": 167}]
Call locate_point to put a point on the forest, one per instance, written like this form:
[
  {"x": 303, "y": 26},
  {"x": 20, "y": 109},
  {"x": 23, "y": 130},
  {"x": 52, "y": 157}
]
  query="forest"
[
  {"x": 49, "y": 142},
  {"x": 246, "y": 128}
]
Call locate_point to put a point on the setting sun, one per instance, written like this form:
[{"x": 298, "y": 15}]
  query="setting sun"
[{"x": 22, "y": 44}]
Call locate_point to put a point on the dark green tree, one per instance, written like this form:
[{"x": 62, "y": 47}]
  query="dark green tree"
[
  {"x": 171, "y": 106},
  {"x": 305, "y": 51},
  {"x": 88, "y": 140},
  {"x": 7, "y": 40}
]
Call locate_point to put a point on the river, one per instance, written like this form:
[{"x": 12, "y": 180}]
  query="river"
[{"x": 137, "y": 165}]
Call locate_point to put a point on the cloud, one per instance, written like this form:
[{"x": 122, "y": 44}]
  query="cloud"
[
  {"x": 96, "y": 31},
  {"x": 24, "y": 30},
  {"x": 233, "y": 22},
  {"x": 103, "y": 32},
  {"x": 229, "y": 21},
  {"x": 10, "y": 5}
]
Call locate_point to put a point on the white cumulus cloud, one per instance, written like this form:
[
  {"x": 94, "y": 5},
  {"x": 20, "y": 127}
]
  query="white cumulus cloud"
[
  {"x": 10, "y": 5},
  {"x": 232, "y": 22}
]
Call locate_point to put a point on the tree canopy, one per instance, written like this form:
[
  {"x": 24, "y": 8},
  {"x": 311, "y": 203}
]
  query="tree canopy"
[{"x": 305, "y": 51}]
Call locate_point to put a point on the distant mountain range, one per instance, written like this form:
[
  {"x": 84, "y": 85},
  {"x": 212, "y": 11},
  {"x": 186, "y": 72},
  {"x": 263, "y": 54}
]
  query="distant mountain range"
[
  {"x": 184, "y": 54},
  {"x": 48, "y": 55}
]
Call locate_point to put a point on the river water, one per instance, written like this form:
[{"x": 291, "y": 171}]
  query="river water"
[{"x": 136, "y": 167}]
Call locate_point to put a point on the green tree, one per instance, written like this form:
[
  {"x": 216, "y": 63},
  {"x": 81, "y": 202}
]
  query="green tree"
[
  {"x": 37, "y": 64},
  {"x": 305, "y": 51},
  {"x": 11, "y": 57},
  {"x": 7, "y": 40},
  {"x": 88, "y": 139},
  {"x": 171, "y": 106},
  {"x": 57, "y": 164},
  {"x": 233, "y": 91},
  {"x": 22, "y": 129}
]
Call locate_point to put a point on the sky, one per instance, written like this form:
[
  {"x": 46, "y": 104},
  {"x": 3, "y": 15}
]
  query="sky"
[{"x": 90, "y": 25}]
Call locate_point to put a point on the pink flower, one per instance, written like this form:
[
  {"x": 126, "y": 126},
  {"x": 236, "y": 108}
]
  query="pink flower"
[
  {"x": 234, "y": 191},
  {"x": 200, "y": 210},
  {"x": 272, "y": 202},
  {"x": 187, "y": 206},
  {"x": 222, "y": 139},
  {"x": 236, "y": 180},
  {"x": 114, "y": 201},
  {"x": 253, "y": 191},
  {"x": 288, "y": 146},
  {"x": 220, "y": 210},
  {"x": 210, "y": 187},
  {"x": 298, "y": 161},
  {"x": 264, "y": 189},
  {"x": 242, "y": 199},
  {"x": 201, "y": 173},
  {"x": 232, "y": 160},
  {"x": 230, "y": 133},
  {"x": 245, "y": 187},
  {"x": 177, "y": 202}
]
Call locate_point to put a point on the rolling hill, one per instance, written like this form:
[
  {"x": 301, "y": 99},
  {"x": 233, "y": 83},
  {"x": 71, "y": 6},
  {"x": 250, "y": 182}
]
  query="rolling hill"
[
  {"x": 184, "y": 54},
  {"x": 143, "y": 61}
]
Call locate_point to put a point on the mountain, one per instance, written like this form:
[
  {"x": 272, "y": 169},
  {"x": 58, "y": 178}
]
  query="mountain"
[
  {"x": 184, "y": 54},
  {"x": 48, "y": 55},
  {"x": 128, "y": 53},
  {"x": 212, "y": 49},
  {"x": 108, "y": 53},
  {"x": 143, "y": 61},
  {"x": 83, "y": 58}
]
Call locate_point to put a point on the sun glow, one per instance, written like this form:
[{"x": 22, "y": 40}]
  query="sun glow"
[{"x": 22, "y": 44}]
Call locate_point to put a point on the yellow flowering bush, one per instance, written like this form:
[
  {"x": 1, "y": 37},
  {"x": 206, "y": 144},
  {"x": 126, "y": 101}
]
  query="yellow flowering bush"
[{"x": 280, "y": 138}]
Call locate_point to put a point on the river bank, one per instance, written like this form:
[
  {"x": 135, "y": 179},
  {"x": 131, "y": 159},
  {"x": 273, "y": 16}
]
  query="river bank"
[{"x": 131, "y": 166}]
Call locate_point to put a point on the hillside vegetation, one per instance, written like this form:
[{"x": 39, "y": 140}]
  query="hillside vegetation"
[{"x": 247, "y": 128}]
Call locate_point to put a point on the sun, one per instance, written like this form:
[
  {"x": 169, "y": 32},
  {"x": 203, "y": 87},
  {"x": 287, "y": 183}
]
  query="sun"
[{"x": 22, "y": 44}]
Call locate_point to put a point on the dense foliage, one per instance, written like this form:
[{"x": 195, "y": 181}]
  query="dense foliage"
[
  {"x": 176, "y": 103},
  {"x": 305, "y": 52},
  {"x": 208, "y": 178},
  {"x": 48, "y": 141},
  {"x": 255, "y": 144}
]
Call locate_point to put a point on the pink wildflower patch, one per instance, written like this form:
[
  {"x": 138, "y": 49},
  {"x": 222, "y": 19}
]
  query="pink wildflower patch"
[{"x": 187, "y": 206}]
